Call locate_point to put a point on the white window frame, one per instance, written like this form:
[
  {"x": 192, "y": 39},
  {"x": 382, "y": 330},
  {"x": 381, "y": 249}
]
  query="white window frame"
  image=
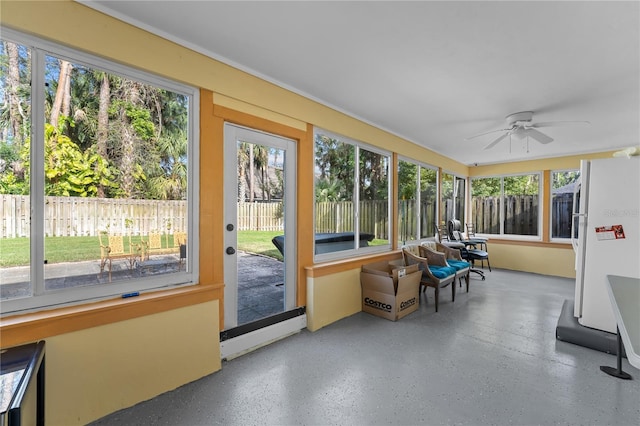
[
  {"x": 41, "y": 299},
  {"x": 466, "y": 184},
  {"x": 502, "y": 235},
  {"x": 357, "y": 250},
  {"x": 421, "y": 166},
  {"x": 550, "y": 201}
]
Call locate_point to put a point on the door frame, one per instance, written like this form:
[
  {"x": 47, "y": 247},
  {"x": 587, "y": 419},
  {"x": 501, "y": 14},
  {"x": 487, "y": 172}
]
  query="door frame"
[{"x": 232, "y": 134}]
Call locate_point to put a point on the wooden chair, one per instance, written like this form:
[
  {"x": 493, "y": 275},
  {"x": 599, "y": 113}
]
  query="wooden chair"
[
  {"x": 179, "y": 239},
  {"x": 113, "y": 247},
  {"x": 152, "y": 242},
  {"x": 437, "y": 276},
  {"x": 432, "y": 249}
]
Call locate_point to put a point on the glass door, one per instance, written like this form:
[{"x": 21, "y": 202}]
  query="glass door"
[{"x": 259, "y": 266}]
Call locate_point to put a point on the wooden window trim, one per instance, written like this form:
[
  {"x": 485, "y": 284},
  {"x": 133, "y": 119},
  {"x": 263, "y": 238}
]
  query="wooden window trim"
[
  {"x": 334, "y": 267},
  {"x": 547, "y": 244}
]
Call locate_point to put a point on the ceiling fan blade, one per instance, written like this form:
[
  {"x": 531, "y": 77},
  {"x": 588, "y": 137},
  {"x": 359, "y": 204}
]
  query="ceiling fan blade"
[
  {"x": 558, "y": 123},
  {"x": 539, "y": 136},
  {"x": 485, "y": 133},
  {"x": 497, "y": 141}
]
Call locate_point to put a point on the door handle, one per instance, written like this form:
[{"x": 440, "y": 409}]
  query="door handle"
[{"x": 230, "y": 250}]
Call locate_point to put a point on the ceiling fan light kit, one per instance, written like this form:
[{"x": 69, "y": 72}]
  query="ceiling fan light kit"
[
  {"x": 519, "y": 124},
  {"x": 524, "y": 116}
]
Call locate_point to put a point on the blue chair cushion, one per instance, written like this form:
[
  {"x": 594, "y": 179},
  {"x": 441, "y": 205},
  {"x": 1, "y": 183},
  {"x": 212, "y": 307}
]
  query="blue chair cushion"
[
  {"x": 458, "y": 264},
  {"x": 442, "y": 271}
]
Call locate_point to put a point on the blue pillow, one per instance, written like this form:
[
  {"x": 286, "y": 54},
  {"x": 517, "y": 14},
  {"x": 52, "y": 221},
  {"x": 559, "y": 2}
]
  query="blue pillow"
[
  {"x": 442, "y": 271},
  {"x": 458, "y": 264}
]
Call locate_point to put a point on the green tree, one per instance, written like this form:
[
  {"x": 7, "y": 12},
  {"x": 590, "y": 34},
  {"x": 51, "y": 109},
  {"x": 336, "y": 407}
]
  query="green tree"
[
  {"x": 15, "y": 121},
  {"x": 335, "y": 161},
  {"x": 407, "y": 177},
  {"x": 130, "y": 125},
  {"x": 561, "y": 179},
  {"x": 521, "y": 185},
  {"x": 485, "y": 187},
  {"x": 327, "y": 190},
  {"x": 170, "y": 181},
  {"x": 68, "y": 170},
  {"x": 373, "y": 176}
]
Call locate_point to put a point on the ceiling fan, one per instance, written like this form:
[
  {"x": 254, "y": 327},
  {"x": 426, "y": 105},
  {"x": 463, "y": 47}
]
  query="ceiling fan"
[{"x": 520, "y": 124}]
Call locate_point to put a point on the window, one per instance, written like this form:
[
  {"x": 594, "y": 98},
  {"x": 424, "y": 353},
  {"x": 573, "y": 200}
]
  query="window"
[
  {"x": 98, "y": 200},
  {"x": 485, "y": 205},
  {"x": 562, "y": 188},
  {"x": 350, "y": 218},
  {"x": 508, "y": 205},
  {"x": 417, "y": 201},
  {"x": 453, "y": 198}
]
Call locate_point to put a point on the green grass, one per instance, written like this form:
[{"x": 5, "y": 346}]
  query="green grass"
[
  {"x": 259, "y": 242},
  {"x": 15, "y": 251}
]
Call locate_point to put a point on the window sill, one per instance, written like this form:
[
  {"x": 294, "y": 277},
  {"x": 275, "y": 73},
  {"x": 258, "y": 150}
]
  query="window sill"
[
  {"x": 31, "y": 327},
  {"x": 554, "y": 244},
  {"x": 333, "y": 267}
]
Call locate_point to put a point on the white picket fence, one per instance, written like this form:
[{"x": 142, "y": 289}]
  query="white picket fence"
[
  {"x": 260, "y": 216},
  {"x": 78, "y": 216}
]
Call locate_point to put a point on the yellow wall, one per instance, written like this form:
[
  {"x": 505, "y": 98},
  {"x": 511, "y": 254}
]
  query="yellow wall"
[
  {"x": 333, "y": 289},
  {"x": 93, "y": 372},
  {"x": 559, "y": 163},
  {"x": 540, "y": 259},
  {"x": 332, "y": 297}
]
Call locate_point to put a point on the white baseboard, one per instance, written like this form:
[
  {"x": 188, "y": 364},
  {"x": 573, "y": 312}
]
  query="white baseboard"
[{"x": 233, "y": 348}]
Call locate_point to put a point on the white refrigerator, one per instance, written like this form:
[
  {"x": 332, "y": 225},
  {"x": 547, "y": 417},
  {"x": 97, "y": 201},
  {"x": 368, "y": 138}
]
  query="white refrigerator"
[{"x": 608, "y": 235}]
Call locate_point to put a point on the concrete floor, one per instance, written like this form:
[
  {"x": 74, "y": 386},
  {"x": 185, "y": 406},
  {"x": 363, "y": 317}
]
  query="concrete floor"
[{"x": 489, "y": 358}]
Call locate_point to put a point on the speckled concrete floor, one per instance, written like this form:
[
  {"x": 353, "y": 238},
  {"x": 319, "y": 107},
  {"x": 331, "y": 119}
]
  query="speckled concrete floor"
[{"x": 489, "y": 358}]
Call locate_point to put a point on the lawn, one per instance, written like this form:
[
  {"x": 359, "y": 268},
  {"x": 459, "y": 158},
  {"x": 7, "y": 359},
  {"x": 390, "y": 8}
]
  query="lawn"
[
  {"x": 15, "y": 251},
  {"x": 259, "y": 242}
]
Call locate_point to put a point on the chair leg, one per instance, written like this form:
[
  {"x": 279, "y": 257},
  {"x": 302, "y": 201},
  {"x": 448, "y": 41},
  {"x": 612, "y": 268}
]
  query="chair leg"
[
  {"x": 453, "y": 291},
  {"x": 479, "y": 272},
  {"x": 466, "y": 278},
  {"x": 486, "y": 249},
  {"x": 437, "y": 297},
  {"x": 424, "y": 290}
]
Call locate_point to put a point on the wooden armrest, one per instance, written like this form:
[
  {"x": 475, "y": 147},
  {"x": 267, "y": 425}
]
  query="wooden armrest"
[
  {"x": 434, "y": 258},
  {"x": 411, "y": 259},
  {"x": 450, "y": 253}
]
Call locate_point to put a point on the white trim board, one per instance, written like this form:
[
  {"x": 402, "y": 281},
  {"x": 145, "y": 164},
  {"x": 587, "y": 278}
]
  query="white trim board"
[{"x": 253, "y": 340}]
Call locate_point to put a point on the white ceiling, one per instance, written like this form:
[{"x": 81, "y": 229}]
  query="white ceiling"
[{"x": 432, "y": 72}]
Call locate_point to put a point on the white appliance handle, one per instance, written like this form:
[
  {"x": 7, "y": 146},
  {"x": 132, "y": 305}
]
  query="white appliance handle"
[
  {"x": 574, "y": 241},
  {"x": 576, "y": 214}
]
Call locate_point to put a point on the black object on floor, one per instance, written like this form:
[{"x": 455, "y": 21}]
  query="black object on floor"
[{"x": 571, "y": 331}]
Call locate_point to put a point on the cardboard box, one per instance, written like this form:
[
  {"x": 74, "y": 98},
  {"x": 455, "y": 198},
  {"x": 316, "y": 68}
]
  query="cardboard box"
[{"x": 390, "y": 291}]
